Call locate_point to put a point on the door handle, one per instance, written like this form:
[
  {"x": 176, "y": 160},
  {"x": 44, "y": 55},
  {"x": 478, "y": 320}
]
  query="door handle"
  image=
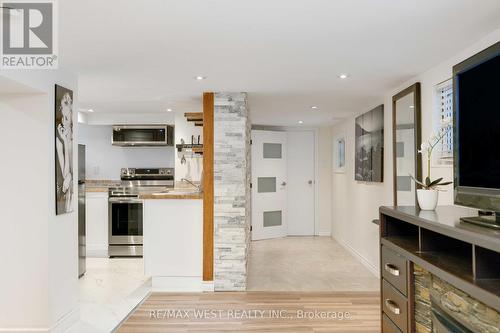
[
  {"x": 310, "y": 182},
  {"x": 283, "y": 184}
]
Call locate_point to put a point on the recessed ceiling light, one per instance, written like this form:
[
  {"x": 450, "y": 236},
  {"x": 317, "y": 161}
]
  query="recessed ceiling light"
[
  {"x": 90, "y": 110},
  {"x": 343, "y": 76},
  {"x": 199, "y": 77},
  {"x": 314, "y": 107},
  {"x": 169, "y": 110},
  {"x": 301, "y": 122}
]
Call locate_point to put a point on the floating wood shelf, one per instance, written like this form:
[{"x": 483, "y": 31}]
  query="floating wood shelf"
[{"x": 196, "y": 117}]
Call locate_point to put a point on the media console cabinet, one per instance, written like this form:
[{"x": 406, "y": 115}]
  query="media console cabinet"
[{"x": 438, "y": 274}]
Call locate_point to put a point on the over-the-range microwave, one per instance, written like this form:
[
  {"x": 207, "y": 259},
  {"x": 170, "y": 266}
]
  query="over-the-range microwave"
[{"x": 142, "y": 135}]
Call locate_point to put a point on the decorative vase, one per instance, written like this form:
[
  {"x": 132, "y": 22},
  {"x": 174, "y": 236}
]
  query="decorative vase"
[{"x": 427, "y": 199}]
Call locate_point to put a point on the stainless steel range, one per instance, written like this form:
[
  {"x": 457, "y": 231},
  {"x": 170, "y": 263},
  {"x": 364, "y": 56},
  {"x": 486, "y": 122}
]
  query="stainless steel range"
[{"x": 126, "y": 209}]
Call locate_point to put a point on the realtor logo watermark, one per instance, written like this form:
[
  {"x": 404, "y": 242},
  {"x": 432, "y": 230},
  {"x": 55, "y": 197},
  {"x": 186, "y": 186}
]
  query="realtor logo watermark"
[{"x": 28, "y": 35}]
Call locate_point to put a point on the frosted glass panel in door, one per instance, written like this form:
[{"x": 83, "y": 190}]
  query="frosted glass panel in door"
[
  {"x": 266, "y": 184},
  {"x": 272, "y": 150},
  {"x": 272, "y": 219}
]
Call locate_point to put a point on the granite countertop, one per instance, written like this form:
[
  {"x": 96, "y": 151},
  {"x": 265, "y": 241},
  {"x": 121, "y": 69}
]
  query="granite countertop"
[
  {"x": 96, "y": 189},
  {"x": 173, "y": 194},
  {"x": 180, "y": 191},
  {"x": 100, "y": 185}
]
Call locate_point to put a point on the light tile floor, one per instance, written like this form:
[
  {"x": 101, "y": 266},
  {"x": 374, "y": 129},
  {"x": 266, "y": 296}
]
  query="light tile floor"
[
  {"x": 112, "y": 288},
  {"x": 306, "y": 264},
  {"x": 109, "y": 291}
]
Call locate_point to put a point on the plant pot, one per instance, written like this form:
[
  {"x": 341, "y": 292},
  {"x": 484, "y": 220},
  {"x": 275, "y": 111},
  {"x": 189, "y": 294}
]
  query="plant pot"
[{"x": 427, "y": 199}]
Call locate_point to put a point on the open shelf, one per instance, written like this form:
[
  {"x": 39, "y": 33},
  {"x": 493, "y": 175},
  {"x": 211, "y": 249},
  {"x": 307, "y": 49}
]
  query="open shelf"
[
  {"x": 407, "y": 243},
  {"x": 456, "y": 265},
  {"x": 450, "y": 254},
  {"x": 487, "y": 264},
  {"x": 402, "y": 234}
]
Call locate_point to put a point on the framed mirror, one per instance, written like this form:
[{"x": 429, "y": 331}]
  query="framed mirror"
[{"x": 406, "y": 140}]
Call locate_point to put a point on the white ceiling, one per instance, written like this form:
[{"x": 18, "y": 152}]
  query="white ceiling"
[{"x": 142, "y": 56}]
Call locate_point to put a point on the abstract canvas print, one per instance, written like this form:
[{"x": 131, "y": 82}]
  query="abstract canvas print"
[
  {"x": 64, "y": 149},
  {"x": 369, "y": 159}
]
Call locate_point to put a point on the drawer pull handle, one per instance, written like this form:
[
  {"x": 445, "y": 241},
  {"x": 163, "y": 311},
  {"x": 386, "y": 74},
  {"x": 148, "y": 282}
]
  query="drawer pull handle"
[
  {"x": 392, "y": 306},
  {"x": 392, "y": 269}
]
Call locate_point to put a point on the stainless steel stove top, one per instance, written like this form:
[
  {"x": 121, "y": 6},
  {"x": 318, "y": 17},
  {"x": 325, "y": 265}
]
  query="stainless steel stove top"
[{"x": 143, "y": 180}]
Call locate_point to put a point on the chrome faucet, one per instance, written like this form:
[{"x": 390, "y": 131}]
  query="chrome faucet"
[{"x": 198, "y": 187}]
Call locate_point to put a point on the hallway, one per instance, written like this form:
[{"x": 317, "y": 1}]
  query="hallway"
[{"x": 306, "y": 264}]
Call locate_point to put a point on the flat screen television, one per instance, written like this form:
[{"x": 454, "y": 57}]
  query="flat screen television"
[{"x": 476, "y": 130}]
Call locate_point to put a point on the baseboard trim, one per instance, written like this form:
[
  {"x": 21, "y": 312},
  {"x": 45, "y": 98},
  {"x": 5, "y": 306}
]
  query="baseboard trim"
[
  {"x": 374, "y": 270},
  {"x": 97, "y": 251},
  {"x": 61, "y": 325},
  {"x": 208, "y": 286},
  {"x": 24, "y": 330},
  {"x": 66, "y": 321},
  {"x": 177, "y": 283},
  {"x": 324, "y": 233}
]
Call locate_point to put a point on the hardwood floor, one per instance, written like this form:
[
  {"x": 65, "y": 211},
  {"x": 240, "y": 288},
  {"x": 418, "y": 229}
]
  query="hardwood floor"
[{"x": 257, "y": 312}]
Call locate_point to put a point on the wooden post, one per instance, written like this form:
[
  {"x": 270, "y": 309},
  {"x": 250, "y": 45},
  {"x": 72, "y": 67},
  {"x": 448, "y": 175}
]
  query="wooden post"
[{"x": 208, "y": 186}]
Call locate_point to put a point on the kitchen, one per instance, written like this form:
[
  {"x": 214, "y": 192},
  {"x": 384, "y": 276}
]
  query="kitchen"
[{"x": 143, "y": 205}]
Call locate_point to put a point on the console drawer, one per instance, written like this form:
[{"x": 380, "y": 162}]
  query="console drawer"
[
  {"x": 394, "y": 269},
  {"x": 388, "y": 326},
  {"x": 395, "y": 306}
]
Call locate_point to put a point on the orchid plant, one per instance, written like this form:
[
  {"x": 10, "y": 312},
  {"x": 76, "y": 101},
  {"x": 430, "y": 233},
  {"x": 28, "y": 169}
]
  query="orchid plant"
[{"x": 427, "y": 148}]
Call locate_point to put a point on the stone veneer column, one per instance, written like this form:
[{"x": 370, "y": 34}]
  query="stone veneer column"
[{"x": 231, "y": 191}]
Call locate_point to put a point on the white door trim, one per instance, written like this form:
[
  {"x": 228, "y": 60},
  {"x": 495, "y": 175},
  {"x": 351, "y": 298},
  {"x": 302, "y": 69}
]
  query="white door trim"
[{"x": 316, "y": 184}]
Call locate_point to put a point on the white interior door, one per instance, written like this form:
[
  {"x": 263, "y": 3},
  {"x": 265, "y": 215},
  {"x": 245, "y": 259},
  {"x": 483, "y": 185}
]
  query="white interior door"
[
  {"x": 301, "y": 184},
  {"x": 269, "y": 184}
]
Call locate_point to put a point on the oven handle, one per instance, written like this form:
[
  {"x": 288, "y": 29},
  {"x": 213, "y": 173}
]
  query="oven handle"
[{"x": 125, "y": 201}]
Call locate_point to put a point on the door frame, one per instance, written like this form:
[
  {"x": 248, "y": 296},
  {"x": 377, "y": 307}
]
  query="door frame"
[{"x": 315, "y": 131}]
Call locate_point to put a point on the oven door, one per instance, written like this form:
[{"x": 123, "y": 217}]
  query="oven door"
[{"x": 125, "y": 221}]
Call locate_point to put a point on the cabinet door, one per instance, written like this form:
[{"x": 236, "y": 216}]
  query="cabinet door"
[{"x": 97, "y": 224}]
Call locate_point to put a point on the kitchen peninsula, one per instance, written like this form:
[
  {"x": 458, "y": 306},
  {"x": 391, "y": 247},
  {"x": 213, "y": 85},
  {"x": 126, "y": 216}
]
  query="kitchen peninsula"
[{"x": 173, "y": 239}]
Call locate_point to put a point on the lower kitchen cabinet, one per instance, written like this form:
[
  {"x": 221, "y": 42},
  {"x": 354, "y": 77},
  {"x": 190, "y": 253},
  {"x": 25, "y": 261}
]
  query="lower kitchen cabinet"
[
  {"x": 173, "y": 244},
  {"x": 96, "y": 211}
]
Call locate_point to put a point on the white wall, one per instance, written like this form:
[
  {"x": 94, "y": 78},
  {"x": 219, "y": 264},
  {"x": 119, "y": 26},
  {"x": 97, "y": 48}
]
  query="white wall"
[
  {"x": 355, "y": 204},
  {"x": 127, "y": 118},
  {"x": 193, "y": 167},
  {"x": 324, "y": 170},
  {"x": 104, "y": 161},
  {"x": 39, "y": 258}
]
